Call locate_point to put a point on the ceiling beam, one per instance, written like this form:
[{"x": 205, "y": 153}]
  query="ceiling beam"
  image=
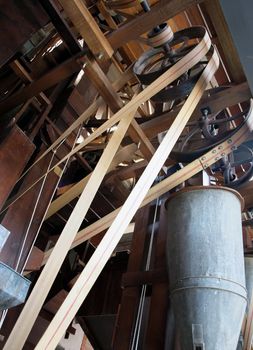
[{"x": 141, "y": 24}]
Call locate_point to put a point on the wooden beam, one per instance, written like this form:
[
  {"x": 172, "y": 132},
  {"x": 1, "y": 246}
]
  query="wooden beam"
[
  {"x": 61, "y": 26},
  {"x": 141, "y": 24},
  {"x": 86, "y": 25},
  {"x": 125, "y": 115},
  {"x": 174, "y": 180},
  {"x": 15, "y": 152},
  {"x": 98, "y": 260},
  {"x": 105, "y": 88},
  {"x": 122, "y": 155},
  {"x": 160, "y": 299},
  {"x": 35, "y": 260},
  {"x": 131, "y": 296},
  {"x": 48, "y": 80},
  {"x": 68, "y": 234}
]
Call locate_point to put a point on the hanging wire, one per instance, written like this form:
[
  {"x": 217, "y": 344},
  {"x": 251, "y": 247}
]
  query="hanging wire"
[{"x": 139, "y": 317}]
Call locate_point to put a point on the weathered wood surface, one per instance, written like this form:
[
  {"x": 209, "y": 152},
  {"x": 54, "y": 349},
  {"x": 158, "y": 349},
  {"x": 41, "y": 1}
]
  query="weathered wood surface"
[
  {"x": 15, "y": 152},
  {"x": 18, "y": 217},
  {"x": 19, "y": 20}
]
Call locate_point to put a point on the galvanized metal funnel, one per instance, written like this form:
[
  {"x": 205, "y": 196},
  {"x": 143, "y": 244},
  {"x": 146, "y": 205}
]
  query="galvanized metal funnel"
[
  {"x": 206, "y": 267},
  {"x": 13, "y": 287}
]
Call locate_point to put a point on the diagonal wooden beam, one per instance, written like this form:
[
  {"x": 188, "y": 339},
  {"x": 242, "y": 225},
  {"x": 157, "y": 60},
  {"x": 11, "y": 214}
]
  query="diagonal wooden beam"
[
  {"x": 54, "y": 263},
  {"x": 87, "y": 278},
  {"x": 37, "y": 297},
  {"x": 160, "y": 83},
  {"x": 77, "y": 188},
  {"x": 86, "y": 25},
  {"x": 169, "y": 183},
  {"x": 141, "y": 24}
]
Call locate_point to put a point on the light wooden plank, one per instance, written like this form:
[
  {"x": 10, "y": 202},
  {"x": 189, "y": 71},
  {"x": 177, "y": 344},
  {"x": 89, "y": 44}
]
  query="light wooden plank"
[
  {"x": 31, "y": 309},
  {"x": 124, "y": 154},
  {"x": 160, "y": 83},
  {"x": 42, "y": 287},
  {"x": 169, "y": 183},
  {"x": 87, "y": 278},
  {"x": 87, "y": 27}
]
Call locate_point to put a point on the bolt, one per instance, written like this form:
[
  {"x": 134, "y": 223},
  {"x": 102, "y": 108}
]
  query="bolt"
[
  {"x": 214, "y": 151},
  {"x": 100, "y": 55},
  {"x": 229, "y": 140},
  {"x": 217, "y": 158},
  {"x": 223, "y": 154},
  {"x": 203, "y": 158},
  {"x": 220, "y": 147}
]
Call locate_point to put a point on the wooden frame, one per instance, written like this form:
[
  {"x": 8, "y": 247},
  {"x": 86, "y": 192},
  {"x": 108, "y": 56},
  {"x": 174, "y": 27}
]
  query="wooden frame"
[{"x": 42, "y": 287}]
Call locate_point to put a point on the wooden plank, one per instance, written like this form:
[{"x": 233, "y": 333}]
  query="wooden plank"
[
  {"x": 18, "y": 217},
  {"x": 141, "y": 24},
  {"x": 87, "y": 27},
  {"x": 174, "y": 180},
  {"x": 15, "y": 151},
  {"x": 19, "y": 20},
  {"x": 122, "y": 155},
  {"x": 150, "y": 277},
  {"x": 49, "y": 273},
  {"x": 35, "y": 260},
  {"x": 98, "y": 260},
  {"x": 48, "y": 80},
  {"x": 39, "y": 293},
  {"x": 248, "y": 336},
  {"x": 130, "y": 296}
]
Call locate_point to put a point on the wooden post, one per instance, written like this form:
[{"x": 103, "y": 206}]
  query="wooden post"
[{"x": 87, "y": 27}]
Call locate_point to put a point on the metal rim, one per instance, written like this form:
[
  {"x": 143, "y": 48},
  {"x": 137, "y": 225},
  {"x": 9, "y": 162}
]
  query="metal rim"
[{"x": 201, "y": 188}]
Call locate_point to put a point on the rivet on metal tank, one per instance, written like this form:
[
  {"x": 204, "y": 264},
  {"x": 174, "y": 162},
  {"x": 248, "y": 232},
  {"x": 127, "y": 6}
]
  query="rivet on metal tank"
[{"x": 206, "y": 267}]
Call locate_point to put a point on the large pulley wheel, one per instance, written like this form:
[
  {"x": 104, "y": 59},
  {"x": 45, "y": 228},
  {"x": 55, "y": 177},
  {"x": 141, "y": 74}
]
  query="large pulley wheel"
[
  {"x": 205, "y": 133},
  {"x": 156, "y": 61}
]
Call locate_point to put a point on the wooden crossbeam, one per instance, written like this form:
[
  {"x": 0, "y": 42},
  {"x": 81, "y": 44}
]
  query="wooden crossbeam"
[
  {"x": 98, "y": 260},
  {"x": 122, "y": 155},
  {"x": 167, "y": 184},
  {"x": 160, "y": 83},
  {"x": 37, "y": 297},
  {"x": 159, "y": 13},
  {"x": 63, "y": 71},
  {"x": 127, "y": 75},
  {"x": 216, "y": 102},
  {"x": 87, "y": 26}
]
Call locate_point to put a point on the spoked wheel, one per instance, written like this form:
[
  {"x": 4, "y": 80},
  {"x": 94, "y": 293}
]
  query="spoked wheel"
[
  {"x": 199, "y": 136},
  {"x": 156, "y": 61},
  {"x": 236, "y": 168}
]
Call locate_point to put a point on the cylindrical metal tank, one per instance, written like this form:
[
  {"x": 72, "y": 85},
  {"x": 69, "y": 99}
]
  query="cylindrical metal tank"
[{"x": 206, "y": 267}]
